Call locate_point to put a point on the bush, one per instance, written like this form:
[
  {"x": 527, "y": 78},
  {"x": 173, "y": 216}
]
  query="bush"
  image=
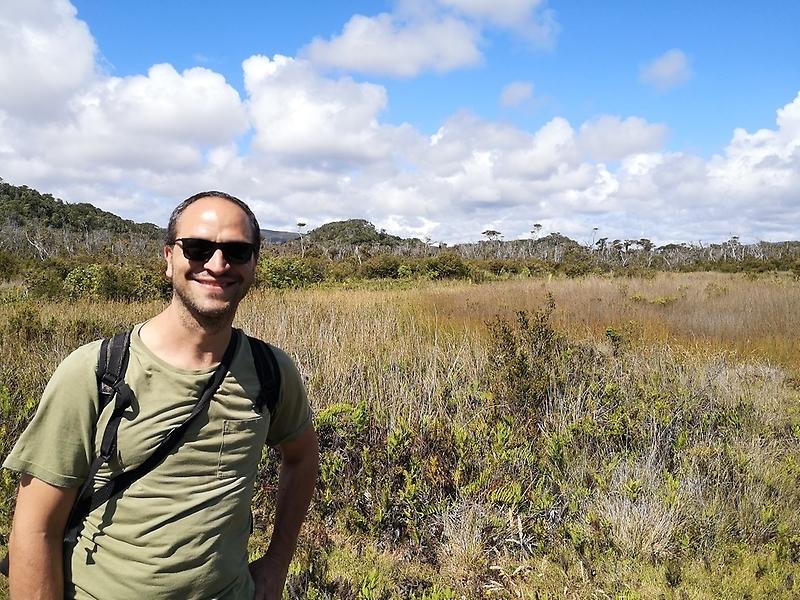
[
  {"x": 138, "y": 283},
  {"x": 46, "y": 282},
  {"x": 290, "y": 271},
  {"x": 538, "y": 268},
  {"x": 522, "y": 354},
  {"x": 341, "y": 270},
  {"x": 381, "y": 266},
  {"x": 447, "y": 265},
  {"x": 93, "y": 281},
  {"x": 117, "y": 282},
  {"x": 10, "y": 266},
  {"x": 796, "y": 268}
]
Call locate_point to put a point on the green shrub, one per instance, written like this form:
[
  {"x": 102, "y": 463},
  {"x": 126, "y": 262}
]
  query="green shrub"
[
  {"x": 538, "y": 268},
  {"x": 10, "y": 266},
  {"x": 447, "y": 265},
  {"x": 92, "y": 281},
  {"x": 117, "y": 282},
  {"x": 405, "y": 271},
  {"x": 795, "y": 267},
  {"x": 138, "y": 283},
  {"x": 45, "y": 282},
  {"x": 381, "y": 266},
  {"x": 290, "y": 271},
  {"x": 521, "y": 359},
  {"x": 342, "y": 270}
]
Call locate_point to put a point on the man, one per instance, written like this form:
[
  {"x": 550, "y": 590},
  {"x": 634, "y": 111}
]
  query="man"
[{"x": 181, "y": 530}]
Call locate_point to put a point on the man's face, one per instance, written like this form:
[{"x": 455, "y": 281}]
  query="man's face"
[{"x": 210, "y": 290}]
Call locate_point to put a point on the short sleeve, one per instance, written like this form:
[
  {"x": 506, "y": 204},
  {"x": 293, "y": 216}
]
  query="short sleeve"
[
  {"x": 58, "y": 445},
  {"x": 292, "y": 415}
]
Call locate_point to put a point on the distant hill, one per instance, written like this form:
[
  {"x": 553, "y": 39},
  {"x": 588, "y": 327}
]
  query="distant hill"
[
  {"x": 23, "y": 206},
  {"x": 278, "y": 237},
  {"x": 352, "y": 231},
  {"x": 36, "y": 225}
]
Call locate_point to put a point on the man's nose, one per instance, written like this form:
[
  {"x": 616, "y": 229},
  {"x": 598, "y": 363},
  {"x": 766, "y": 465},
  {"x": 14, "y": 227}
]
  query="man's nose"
[{"x": 217, "y": 262}]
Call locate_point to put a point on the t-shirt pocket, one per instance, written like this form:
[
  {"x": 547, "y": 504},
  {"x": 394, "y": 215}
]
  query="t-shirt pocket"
[{"x": 240, "y": 450}]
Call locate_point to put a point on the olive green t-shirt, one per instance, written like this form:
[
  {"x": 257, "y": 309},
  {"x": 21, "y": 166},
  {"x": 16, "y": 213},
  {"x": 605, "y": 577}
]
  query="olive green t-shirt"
[{"x": 181, "y": 530}]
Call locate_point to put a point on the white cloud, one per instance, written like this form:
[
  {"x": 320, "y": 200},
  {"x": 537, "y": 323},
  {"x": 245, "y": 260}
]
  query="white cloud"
[
  {"x": 525, "y": 17},
  {"x": 300, "y": 115},
  {"x": 47, "y": 55},
  {"x": 669, "y": 70},
  {"x": 164, "y": 120},
  {"x": 423, "y": 36},
  {"x": 763, "y": 165},
  {"x": 196, "y": 106},
  {"x": 319, "y": 149},
  {"x": 516, "y": 93},
  {"x": 386, "y": 45},
  {"x": 611, "y": 138}
]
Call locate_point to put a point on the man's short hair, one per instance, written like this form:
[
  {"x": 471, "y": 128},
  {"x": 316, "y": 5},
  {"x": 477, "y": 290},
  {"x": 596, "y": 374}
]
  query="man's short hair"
[{"x": 172, "y": 226}]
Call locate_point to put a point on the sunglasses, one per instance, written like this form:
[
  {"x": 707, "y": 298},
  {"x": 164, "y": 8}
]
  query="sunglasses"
[{"x": 237, "y": 253}]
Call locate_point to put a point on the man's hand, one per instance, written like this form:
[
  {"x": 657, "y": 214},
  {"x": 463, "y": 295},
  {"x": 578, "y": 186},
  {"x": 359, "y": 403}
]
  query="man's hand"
[
  {"x": 37, "y": 537},
  {"x": 298, "y": 475},
  {"x": 269, "y": 576}
]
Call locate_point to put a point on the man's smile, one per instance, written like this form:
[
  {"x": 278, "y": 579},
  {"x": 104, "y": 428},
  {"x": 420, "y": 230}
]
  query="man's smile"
[{"x": 215, "y": 284}]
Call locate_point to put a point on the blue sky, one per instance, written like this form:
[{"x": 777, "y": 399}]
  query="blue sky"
[
  {"x": 745, "y": 57},
  {"x": 435, "y": 118}
]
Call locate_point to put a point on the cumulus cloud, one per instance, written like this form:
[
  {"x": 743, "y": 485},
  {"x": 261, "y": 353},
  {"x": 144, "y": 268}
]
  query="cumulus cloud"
[
  {"x": 304, "y": 144},
  {"x": 424, "y": 36},
  {"x": 526, "y": 17},
  {"x": 669, "y": 70},
  {"x": 609, "y": 138},
  {"x": 386, "y": 45},
  {"x": 163, "y": 120},
  {"x": 762, "y": 165},
  {"x": 301, "y": 115},
  {"x": 516, "y": 93},
  {"x": 47, "y": 56}
]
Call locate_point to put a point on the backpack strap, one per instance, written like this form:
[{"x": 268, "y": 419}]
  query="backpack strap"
[
  {"x": 112, "y": 363},
  {"x": 269, "y": 375},
  {"x": 88, "y": 499}
]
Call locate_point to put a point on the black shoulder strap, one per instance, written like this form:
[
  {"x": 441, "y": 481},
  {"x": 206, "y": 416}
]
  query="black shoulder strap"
[
  {"x": 112, "y": 363},
  {"x": 88, "y": 499},
  {"x": 269, "y": 375}
]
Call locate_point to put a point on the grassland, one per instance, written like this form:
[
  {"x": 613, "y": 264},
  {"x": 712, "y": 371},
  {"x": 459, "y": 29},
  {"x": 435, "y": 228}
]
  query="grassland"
[{"x": 619, "y": 438}]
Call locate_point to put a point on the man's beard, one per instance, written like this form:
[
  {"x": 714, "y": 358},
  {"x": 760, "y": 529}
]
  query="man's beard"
[{"x": 209, "y": 318}]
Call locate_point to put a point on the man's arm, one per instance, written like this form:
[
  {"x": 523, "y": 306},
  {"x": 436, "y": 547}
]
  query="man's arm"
[
  {"x": 298, "y": 476},
  {"x": 37, "y": 537}
]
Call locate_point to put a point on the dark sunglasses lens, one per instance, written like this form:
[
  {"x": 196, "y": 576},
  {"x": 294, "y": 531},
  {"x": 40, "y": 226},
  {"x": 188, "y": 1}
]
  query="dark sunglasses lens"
[
  {"x": 197, "y": 249},
  {"x": 237, "y": 252},
  {"x": 202, "y": 250}
]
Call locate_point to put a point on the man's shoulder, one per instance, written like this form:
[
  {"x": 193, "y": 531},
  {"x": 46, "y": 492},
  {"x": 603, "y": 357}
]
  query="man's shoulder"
[
  {"x": 280, "y": 354},
  {"x": 83, "y": 357},
  {"x": 286, "y": 363}
]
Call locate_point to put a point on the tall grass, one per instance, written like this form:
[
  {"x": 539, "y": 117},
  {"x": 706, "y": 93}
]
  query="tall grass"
[
  {"x": 753, "y": 316},
  {"x": 634, "y": 438}
]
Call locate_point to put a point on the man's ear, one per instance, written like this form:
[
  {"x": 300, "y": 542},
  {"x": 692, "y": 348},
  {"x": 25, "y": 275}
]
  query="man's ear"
[{"x": 167, "y": 252}]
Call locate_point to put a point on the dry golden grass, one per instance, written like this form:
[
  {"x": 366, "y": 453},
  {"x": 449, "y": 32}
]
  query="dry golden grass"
[
  {"x": 416, "y": 355},
  {"x": 754, "y": 317}
]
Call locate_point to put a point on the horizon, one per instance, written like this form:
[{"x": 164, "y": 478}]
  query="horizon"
[
  {"x": 437, "y": 119},
  {"x": 499, "y": 238}
]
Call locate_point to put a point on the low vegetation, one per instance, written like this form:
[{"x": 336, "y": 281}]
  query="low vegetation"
[
  {"x": 45, "y": 241},
  {"x": 529, "y": 438}
]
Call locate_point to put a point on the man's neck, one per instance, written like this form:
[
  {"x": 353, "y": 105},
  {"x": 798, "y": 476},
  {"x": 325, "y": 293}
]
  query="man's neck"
[{"x": 176, "y": 337}]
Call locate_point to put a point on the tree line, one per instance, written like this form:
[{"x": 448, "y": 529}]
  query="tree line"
[{"x": 56, "y": 248}]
